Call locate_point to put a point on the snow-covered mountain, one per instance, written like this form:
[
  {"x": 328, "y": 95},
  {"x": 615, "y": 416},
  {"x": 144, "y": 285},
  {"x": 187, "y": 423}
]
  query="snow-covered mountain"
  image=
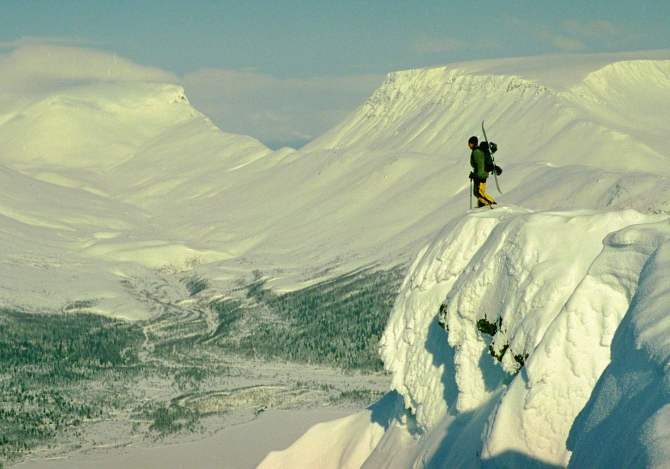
[
  {"x": 372, "y": 190},
  {"x": 93, "y": 149},
  {"x": 553, "y": 301}
]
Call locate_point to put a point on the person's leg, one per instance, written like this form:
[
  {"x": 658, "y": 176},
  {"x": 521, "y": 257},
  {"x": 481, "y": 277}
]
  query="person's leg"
[
  {"x": 475, "y": 192},
  {"x": 483, "y": 198}
]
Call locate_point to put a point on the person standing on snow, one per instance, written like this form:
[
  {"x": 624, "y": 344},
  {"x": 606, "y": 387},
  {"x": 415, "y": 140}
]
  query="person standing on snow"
[{"x": 479, "y": 174}]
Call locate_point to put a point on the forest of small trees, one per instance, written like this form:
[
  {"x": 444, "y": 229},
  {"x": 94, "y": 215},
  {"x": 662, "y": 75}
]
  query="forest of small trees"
[
  {"x": 60, "y": 371},
  {"x": 336, "y": 323}
]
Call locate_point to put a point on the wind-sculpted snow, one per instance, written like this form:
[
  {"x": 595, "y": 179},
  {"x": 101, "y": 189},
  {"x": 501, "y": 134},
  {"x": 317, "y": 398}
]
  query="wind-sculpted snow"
[
  {"x": 529, "y": 303},
  {"x": 407, "y": 344},
  {"x": 552, "y": 287},
  {"x": 626, "y": 420}
]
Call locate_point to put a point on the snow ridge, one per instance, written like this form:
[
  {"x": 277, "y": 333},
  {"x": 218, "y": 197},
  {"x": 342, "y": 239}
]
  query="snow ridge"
[
  {"x": 422, "y": 110},
  {"x": 531, "y": 302},
  {"x": 430, "y": 110}
]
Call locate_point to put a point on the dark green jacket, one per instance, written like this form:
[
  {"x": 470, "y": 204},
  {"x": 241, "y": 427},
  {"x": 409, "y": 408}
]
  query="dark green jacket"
[{"x": 477, "y": 160}]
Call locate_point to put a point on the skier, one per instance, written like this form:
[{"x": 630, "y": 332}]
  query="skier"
[{"x": 478, "y": 175}]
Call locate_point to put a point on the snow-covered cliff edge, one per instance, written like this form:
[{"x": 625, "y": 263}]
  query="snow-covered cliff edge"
[{"x": 531, "y": 302}]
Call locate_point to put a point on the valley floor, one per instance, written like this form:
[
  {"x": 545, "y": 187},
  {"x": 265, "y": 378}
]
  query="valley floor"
[
  {"x": 78, "y": 388},
  {"x": 241, "y": 446},
  {"x": 263, "y": 408}
]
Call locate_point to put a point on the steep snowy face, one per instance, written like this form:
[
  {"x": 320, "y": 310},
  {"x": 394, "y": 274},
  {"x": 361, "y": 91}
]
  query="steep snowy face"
[
  {"x": 609, "y": 113},
  {"x": 516, "y": 308},
  {"x": 429, "y": 110},
  {"x": 626, "y": 420}
]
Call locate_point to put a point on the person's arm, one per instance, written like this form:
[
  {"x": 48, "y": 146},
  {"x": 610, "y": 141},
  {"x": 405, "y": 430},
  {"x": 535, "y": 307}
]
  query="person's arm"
[{"x": 479, "y": 160}]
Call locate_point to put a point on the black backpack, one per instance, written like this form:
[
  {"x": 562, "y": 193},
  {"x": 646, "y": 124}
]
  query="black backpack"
[
  {"x": 488, "y": 159},
  {"x": 489, "y": 166}
]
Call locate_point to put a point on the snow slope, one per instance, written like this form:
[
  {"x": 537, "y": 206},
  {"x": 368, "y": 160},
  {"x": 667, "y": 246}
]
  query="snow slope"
[
  {"x": 371, "y": 191},
  {"x": 88, "y": 142}
]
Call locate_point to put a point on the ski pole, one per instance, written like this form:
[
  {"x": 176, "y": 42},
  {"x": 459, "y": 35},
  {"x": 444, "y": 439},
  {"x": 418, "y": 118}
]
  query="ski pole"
[{"x": 471, "y": 190}]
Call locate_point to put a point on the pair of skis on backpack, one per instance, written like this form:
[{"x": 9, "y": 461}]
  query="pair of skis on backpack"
[{"x": 489, "y": 148}]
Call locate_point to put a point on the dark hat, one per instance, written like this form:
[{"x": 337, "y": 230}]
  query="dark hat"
[{"x": 474, "y": 140}]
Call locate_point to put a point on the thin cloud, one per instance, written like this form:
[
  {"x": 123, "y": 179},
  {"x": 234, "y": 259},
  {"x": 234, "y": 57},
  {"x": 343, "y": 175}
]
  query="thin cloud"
[
  {"x": 439, "y": 44},
  {"x": 593, "y": 29},
  {"x": 543, "y": 33},
  {"x": 566, "y": 44},
  {"x": 45, "y": 41},
  {"x": 279, "y": 112},
  {"x": 46, "y": 66}
]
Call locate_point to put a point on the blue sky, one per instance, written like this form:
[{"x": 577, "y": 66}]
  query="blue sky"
[{"x": 287, "y": 48}]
